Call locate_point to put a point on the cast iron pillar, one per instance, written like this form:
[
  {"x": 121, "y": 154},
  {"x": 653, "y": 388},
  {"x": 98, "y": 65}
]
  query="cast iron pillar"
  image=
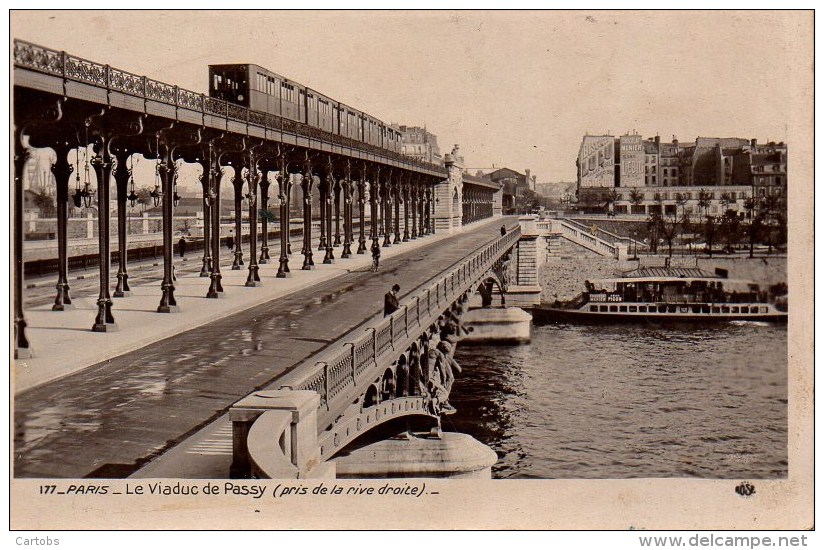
[
  {"x": 284, "y": 182},
  {"x": 215, "y": 286},
  {"x": 374, "y": 196},
  {"x": 102, "y": 164},
  {"x": 336, "y": 188},
  {"x": 387, "y": 210},
  {"x": 348, "y": 233},
  {"x": 237, "y": 182},
  {"x": 361, "y": 213},
  {"x": 400, "y": 197},
  {"x": 167, "y": 170},
  {"x": 122, "y": 174},
  {"x": 324, "y": 192},
  {"x": 206, "y": 186},
  {"x": 413, "y": 198},
  {"x": 252, "y": 177},
  {"x": 22, "y": 350},
  {"x": 288, "y": 214},
  {"x": 306, "y": 185},
  {"x": 264, "y": 207},
  {"x": 62, "y": 171},
  {"x": 329, "y": 182}
]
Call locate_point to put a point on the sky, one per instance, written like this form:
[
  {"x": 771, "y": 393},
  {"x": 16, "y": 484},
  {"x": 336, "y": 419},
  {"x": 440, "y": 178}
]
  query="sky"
[{"x": 515, "y": 89}]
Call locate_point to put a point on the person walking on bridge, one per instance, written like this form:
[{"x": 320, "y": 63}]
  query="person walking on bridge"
[
  {"x": 391, "y": 304},
  {"x": 376, "y": 255}
]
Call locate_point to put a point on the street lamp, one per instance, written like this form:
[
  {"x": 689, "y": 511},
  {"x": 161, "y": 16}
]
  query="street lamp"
[
  {"x": 175, "y": 195},
  {"x": 157, "y": 192},
  {"x": 132, "y": 196}
]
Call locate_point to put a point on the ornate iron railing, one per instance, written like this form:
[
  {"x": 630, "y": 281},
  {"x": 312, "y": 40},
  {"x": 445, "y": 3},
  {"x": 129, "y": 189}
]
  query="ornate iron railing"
[
  {"x": 69, "y": 67},
  {"x": 333, "y": 375}
]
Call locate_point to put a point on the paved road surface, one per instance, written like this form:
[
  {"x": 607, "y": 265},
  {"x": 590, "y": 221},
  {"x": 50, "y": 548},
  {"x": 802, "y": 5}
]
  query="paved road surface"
[{"x": 111, "y": 418}]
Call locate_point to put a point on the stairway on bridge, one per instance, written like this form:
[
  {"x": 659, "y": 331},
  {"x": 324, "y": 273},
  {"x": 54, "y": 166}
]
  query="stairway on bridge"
[{"x": 561, "y": 248}]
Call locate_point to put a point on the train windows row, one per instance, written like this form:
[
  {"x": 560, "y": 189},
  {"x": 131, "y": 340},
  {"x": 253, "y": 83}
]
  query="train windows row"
[{"x": 258, "y": 89}]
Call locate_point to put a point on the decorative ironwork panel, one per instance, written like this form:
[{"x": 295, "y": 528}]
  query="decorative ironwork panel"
[
  {"x": 289, "y": 125},
  {"x": 384, "y": 339},
  {"x": 189, "y": 100},
  {"x": 85, "y": 71},
  {"x": 364, "y": 354},
  {"x": 400, "y": 326},
  {"x": 38, "y": 58},
  {"x": 315, "y": 383},
  {"x": 126, "y": 82},
  {"x": 258, "y": 118},
  {"x": 215, "y": 106},
  {"x": 237, "y": 112},
  {"x": 340, "y": 375},
  {"x": 160, "y": 91}
]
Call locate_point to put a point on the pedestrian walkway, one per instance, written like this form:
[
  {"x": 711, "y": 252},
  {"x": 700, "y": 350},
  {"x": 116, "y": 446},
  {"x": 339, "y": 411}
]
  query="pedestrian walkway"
[
  {"x": 53, "y": 334},
  {"x": 138, "y": 400}
]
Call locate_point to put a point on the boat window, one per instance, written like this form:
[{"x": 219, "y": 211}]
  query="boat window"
[
  {"x": 745, "y": 309},
  {"x": 633, "y": 309},
  {"x": 696, "y": 309},
  {"x": 735, "y": 309},
  {"x": 662, "y": 309},
  {"x": 716, "y": 310},
  {"x": 603, "y": 308},
  {"x": 671, "y": 309},
  {"x": 642, "y": 309},
  {"x": 613, "y": 308},
  {"x": 623, "y": 309},
  {"x": 725, "y": 309},
  {"x": 593, "y": 308},
  {"x": 705, "y": 309},
  {"x": 764, "y": 309}
]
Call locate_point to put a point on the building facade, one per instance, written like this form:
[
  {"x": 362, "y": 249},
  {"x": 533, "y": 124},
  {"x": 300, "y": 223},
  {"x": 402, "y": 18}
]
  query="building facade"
[
  {"x": 610, "y": 168},
  {"x": 420, "y": 144}
]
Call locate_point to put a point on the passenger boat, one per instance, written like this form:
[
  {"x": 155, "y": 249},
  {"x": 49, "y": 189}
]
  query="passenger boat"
[{"x": 665, "y": 294}]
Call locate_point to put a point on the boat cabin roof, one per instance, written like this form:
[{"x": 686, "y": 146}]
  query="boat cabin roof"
[{"x": 672, "y": 280}]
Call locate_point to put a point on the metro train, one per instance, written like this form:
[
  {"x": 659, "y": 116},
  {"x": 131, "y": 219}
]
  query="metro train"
[{"x": 259, "y": 89}]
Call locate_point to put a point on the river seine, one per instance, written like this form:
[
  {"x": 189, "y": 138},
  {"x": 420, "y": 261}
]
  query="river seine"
[{"x": 630, "y": 401}]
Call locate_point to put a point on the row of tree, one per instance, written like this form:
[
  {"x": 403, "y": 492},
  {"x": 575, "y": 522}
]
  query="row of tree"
[{"x": 764, "y": 224}]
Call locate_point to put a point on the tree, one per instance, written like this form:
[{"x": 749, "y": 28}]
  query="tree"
[
  {"x": 710, "y": 231},
  {"x": 669, "y": 227},
  {"x": 704, "y": 201},
  {"x": 636, "y": 198},
  {"x": 654, "y": 222},
  {"x": 756, "y": 215},
  {"x": 611, "y": 197},
  {"x": 267, "y": 215},
  {"x": 144, "y": 197},
  {"x": 44, "y": 202},
  {"x": 731, "y": 228}
]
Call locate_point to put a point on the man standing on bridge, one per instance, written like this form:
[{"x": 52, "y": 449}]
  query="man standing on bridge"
[{"x": 390, "y": 301}]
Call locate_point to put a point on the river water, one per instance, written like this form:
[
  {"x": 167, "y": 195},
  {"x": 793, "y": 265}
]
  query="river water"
[{"x": 630, "y": 401}]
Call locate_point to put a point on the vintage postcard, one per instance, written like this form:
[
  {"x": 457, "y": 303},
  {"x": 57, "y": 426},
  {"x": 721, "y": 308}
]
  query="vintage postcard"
[{"x": 471, "y": 269}]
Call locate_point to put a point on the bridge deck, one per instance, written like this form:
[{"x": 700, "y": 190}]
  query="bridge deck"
[{"x": 109, "y": 419}]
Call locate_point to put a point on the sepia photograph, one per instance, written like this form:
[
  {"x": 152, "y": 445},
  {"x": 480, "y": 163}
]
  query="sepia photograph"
[{"x": 473, "y": 269}]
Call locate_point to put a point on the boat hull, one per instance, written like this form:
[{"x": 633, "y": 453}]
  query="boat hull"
[{"x": 545, "y": 314}]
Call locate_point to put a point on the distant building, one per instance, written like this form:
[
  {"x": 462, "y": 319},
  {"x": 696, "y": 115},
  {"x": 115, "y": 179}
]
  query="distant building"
[
  {"x": 518, "y": 194},
  {"x": 556, "y": 194},
  {"x": 418, "y": 143},
  {"x": 609, "y": 165}
]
